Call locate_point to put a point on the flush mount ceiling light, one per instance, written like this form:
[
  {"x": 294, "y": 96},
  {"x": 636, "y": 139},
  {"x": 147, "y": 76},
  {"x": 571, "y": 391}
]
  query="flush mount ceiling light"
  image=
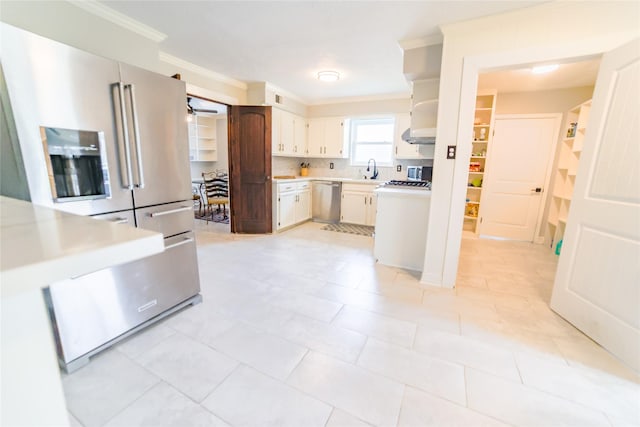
[
  {"x": 542, "y": 69},
  {"x": 328, "y": 76}
]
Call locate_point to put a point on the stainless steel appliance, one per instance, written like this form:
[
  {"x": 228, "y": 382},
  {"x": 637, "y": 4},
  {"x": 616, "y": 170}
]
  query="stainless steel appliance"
[
  {"x": 418, "y": 185},
  {"x": 419, "y": 173},
  {"x": 102, "y": 138},
  {"x": 325, "y": 201}
]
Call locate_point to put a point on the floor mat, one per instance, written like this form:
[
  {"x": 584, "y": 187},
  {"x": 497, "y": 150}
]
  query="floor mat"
[
  {"x": 217, "y": 217},
  {"x": 360, "y": 230}
]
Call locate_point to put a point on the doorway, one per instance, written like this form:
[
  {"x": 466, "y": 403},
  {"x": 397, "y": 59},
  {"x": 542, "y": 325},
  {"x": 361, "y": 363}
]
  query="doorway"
[
  {"x": 208, "y": 155},
  {"x": 523, "y": 147}
]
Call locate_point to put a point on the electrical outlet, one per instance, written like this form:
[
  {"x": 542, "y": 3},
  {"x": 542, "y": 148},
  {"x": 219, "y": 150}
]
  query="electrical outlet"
[
  {"x": 451, "y": 151},
  {"x": 399, "y": 168},
  {"x": 331, "y": 165}
]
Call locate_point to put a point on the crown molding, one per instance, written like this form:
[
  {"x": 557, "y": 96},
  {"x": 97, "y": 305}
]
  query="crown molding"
[
  {"x": 421, "y": 42},
  {"x": 186, "y": 65},
  {"x": 286, "y": 93},
  {"x": 105, "y": 12}
]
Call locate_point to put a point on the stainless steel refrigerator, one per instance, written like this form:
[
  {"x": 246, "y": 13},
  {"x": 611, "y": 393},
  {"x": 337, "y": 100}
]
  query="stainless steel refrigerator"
[{"x": 97, "y": 137}]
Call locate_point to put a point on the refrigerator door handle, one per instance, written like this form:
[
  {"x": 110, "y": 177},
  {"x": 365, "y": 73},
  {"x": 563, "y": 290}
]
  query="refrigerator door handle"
[
  {"x": 136, "y": 134},
  {"x": 127, "y": 175},
  {"x": 169, "y": 212},
  {"x": 184, "y": 241}
]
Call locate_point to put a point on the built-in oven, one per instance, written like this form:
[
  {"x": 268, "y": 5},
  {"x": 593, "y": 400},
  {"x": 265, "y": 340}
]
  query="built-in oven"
[
  {"x": 76, "y": 164},
  {"x": 419, "y": 173}
]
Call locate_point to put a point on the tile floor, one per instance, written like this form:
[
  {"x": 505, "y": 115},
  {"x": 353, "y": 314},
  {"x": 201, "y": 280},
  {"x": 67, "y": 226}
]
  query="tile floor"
[{"x": 304, "y": 329}]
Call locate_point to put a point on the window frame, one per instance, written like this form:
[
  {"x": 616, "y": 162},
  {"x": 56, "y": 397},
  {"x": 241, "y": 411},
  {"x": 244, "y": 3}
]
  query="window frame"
[{"x": 353, "y": 124}]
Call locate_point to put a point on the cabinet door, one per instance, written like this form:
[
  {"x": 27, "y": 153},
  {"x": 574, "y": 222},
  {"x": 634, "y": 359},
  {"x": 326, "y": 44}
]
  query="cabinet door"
[
  {"x": 299, "y": 136},
  {"x": 286, "y": 209},
  {"x": 303, "y": 206},
  {"x": 404, "y": 150},
  {"x": 353, "y": 209},
  {"x": 334, "y": 137},
  {"x": 286, "y": 133},
  {"x": 276, "y": 145},
  {"x": 372, "y": 204},
  {"x": 315, "y": 137}
]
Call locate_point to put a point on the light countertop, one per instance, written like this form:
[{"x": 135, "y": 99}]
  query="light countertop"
[
  {"x": 40, "y": 245},
  {"x": 333, "y": 179},
  {"x": 399, "y": 191}
]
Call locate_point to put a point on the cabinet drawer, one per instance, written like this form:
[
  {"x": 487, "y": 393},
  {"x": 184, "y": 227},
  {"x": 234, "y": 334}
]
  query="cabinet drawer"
[
  {"x": 169, "y": 219},
  {"x": 304, "y": 185},
  {"x": 365, "y": 188},
  {"x": 287, "y": 186}
]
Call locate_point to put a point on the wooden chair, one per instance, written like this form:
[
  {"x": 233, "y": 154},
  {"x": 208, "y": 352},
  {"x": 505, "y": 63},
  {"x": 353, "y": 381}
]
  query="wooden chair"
[{"x": 216, "y": 186}]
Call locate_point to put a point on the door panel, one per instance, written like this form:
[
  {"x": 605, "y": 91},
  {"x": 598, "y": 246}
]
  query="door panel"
[
  {"x": 54, "y": 85},
  {"x": 164, "y": 142},
  {"x": 250, "y": 164},
  {"x": 597, "y": 286},
  {"x": 95, "y": 308},
  {"x": 353, "y": 209},
  {"x": 519, "y": 158}
]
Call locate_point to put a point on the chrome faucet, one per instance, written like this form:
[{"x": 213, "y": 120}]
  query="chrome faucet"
[{"x": 375, "y": 169}]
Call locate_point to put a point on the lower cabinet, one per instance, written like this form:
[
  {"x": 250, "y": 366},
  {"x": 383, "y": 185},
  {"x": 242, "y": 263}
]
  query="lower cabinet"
[
  {"x": 358, "y": 204},
  {"x": 293, "y": 203}
]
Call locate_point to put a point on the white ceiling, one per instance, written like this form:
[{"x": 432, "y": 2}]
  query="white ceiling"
[
  {"x": 287, "y": 42},
  {"x": 575, "y": 74}
]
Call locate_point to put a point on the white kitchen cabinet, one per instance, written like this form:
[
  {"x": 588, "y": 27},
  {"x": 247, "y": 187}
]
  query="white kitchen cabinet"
[
  {"x": 326, "y": 138},
  {"x": 299, "y": 136},
  {"x": 288, "y": 134},
  {"x": 303, "y": 204},
  {"x": 358, "y": 204},
  {"x": 293, "y": 203}
]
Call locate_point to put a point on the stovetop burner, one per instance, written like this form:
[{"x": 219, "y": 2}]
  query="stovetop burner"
[{"x": 410, "y": 184}]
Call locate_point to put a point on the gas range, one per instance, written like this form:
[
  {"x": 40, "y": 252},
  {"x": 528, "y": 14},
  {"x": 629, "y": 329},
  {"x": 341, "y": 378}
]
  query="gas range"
[{"x": 417, "y": 185}]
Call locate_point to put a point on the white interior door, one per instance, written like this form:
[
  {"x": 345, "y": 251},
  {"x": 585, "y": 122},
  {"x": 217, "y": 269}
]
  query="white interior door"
[
  {"x": 513, "y": 193},
  {"x": 597, "y": 286}
]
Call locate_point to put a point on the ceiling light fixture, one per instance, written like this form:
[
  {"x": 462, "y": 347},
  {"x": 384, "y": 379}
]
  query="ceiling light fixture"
[
  {"x": 328, "y": 76},
  {"x": 542, "y": 69}
]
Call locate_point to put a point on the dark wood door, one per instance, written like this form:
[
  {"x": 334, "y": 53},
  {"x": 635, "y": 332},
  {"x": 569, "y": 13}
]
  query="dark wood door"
[{"x": 250, "y": 167}]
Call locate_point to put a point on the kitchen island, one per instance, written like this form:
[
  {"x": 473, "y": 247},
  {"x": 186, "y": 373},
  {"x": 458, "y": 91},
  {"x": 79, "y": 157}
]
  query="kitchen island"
[
  {"x": 402, "y": 220},
  {"x": 38, "y": 246}
]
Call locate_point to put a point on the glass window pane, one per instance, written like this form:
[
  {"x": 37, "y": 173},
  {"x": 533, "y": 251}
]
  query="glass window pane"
[
  {"x": 375, "y": 132},
  {"x": 382, "y": 153}
]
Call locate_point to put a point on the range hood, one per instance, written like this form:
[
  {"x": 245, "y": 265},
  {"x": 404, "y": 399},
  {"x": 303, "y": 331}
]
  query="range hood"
[{"x": 420, "y": 136}]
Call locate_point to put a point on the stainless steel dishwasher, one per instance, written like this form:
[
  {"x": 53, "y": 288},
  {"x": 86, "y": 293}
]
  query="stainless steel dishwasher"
[{"x": 326, "y": 201}]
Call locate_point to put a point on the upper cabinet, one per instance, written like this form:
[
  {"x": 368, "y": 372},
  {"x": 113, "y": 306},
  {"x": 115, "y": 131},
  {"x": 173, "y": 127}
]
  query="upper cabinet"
[
  {"x": 326, "y": 138},
  {"x": 289, "y": 134},
  {"x": 202, "y": 138}
]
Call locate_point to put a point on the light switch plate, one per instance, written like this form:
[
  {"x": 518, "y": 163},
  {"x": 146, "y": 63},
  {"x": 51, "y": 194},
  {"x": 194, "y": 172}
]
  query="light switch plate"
[{"x": 331, "y": 165}]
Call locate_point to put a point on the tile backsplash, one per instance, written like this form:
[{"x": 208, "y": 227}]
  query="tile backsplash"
[{"x": 342, "y": 168}]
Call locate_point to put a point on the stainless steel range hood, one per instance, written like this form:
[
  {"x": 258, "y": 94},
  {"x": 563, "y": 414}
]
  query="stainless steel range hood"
[{"x": 417, "y": 139}]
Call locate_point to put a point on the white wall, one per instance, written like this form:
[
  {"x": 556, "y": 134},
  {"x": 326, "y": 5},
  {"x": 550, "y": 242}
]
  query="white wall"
[
  {"x": 551, "y": 31},
  {"x": 361, "y": 107},
  {"x": 66, "y": 23}
]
